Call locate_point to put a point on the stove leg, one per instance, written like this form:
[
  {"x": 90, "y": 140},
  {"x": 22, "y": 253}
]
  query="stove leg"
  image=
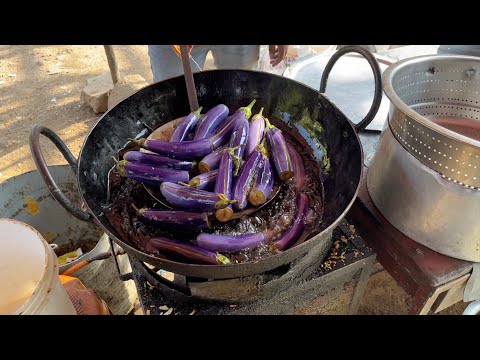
[
  {"x": 361, "y": 285},
  {"x": 422, "y": 301},
  {"x": 425, "y": 298}
]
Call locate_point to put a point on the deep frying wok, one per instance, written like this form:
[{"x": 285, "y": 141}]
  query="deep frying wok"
[{"x": 154, "y": 105}]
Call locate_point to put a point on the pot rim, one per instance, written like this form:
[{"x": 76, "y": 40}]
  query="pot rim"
[{"x": 396, "y": 102}]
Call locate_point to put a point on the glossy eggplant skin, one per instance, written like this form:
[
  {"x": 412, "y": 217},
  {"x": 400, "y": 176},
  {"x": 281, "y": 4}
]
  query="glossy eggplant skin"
[
  {"x": 212, "y": 120},
  {"x": 222, "y": 136},
  {"x": 238, "y": 140},
  {"x": 263, "y": 184},
  {"x": 187, "y": 125},
  {"x": 157, "y": 160},
  {"x": 188, "y": 198},
  {"x": 255, "y": 133},
  {"x": 223, "y": 185},
  {"x": 295, "y": 230},
  {"x": 172, "y": 218},
  {"x": 184, "y": 150},
  {"x": 205, "y": 181},
  {"x": 185, "y": 251},
  {"x": 245, "y": 180},
  {"x": 279, "y": 151},
  {"x": 299, "y": 177},
  {"x": 231, "y": 243},
  {"x": 149, "y": 174},
  {"x": 212, "y": 160}
]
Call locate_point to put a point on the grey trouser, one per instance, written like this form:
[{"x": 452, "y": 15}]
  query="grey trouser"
[{"x": 166, "y": 64}]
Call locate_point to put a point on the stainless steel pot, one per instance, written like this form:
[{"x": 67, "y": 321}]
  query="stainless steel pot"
[{"x": 424, "y": 176}]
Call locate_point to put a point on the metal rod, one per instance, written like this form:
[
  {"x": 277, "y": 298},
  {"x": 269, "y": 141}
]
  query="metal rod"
[
  {"x": 187, "y": 70},
  {"x": 112, "y": 63}
]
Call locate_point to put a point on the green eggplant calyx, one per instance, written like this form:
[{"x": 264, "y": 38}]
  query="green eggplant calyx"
[
  {"x": 223, "y": 202},
  {"x": 259, "y": 114},
  {"x": 237, "y": 161},
  {"x": 140, "y": 142},
  {"x": 120, "y": 165},
  {"x": 199, "y": 110},
  {"x": 194, "y": 183},
  {"x": 137, "y": 210},
  {"x": 268, "y": 125},
  {"x": 248, "y": 109},
  {"x": 222, "y": 259},
  {"x": 232, "y": 149}
]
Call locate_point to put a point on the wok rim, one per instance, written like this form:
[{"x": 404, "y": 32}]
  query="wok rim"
[{"x": 196, "y": 270}]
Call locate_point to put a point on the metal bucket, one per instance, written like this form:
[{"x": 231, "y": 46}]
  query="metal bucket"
[
  {"x": 425, "y": 175},
  {"x": 26, "y": 198}
]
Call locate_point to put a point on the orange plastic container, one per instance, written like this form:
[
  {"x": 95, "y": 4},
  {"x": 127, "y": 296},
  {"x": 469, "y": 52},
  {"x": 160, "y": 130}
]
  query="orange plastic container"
[{"x": 84, "y": 300}]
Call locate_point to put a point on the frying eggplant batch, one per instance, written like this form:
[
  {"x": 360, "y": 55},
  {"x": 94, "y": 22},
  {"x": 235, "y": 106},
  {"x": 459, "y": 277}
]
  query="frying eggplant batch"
[{"x": 239, "y": 158}]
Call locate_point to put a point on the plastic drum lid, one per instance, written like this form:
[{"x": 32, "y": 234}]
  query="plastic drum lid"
[
  {"x": 350, "y": 85},
  {"x": 23, "y": 260}
]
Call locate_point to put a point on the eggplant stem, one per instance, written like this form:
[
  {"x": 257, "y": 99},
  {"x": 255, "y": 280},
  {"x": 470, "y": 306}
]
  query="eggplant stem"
[
  {"x": 259, "y": 114},
  {"x": 268, "y": 125},
  {"x": 199, "y": 110},
  {"x": 263, "y": 148},
  {"x": 237, "y": 161},
  {"x": 248, "y": 109},
  {"x": 194, "y": 183},
  {"x": 120, "y": 165},
  {"x": 232, "y": 149},
  {"x": 222, "y": 259},
  {"x": 137, "y": 210},
  {"x": 184, "y": 184},
  {"x": 140, "y": 142},
  {"x": 223, "y": 202}
]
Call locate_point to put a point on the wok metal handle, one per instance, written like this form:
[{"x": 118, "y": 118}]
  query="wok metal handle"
[
  {"x": 377, "y": 74},
  {"x": 45, "y": 173}
]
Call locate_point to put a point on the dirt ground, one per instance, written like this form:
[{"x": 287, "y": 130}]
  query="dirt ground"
[{"x": 42, "y": 85}]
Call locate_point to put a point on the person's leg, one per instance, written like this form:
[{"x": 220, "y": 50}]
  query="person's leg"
[
  {"x": 236, "y": 56},
  {"x": 166, "y": 64}
]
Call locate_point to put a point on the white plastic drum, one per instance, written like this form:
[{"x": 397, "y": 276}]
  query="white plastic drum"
[{"x": 29, "y": 282}]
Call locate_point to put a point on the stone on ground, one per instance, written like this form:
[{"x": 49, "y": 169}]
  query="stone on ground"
[{"x": 97, "y": 91}]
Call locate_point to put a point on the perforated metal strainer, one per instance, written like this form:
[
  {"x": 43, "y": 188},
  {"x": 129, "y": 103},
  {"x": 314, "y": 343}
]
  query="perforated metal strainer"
[{"x": 435, "y": 113}]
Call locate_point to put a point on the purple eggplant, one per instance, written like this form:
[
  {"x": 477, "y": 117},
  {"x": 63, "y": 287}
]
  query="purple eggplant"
[
  {"x": 185, "y": 251},
  {"x": 149, "y": 174},
  {"x": 238, "y": 140},
  {"x": 186, "y": 126},
  {"x": 294, "y": 231},
  {"x": 205, "y": 181},
  {"x": 263, "y": 184},
  {"x": 279, "y": 151},
  {"x": 255, "y": 133},
  {"x": 184, "y": 150},
  {"x": 190, "y": 220},
  {"x": 157, "y": 160},
  {"x": 223, "y": 185},
  {"x": 211, "y": 161},
  {"x": 193, "y": 199},
  {"x": 245, "y": 180},
  {"x": 299, "y": 179},
  {"x": 222, "y": 136},
  {"x": 231, "y": 243},
  {"x": 212, "y": 120}
]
